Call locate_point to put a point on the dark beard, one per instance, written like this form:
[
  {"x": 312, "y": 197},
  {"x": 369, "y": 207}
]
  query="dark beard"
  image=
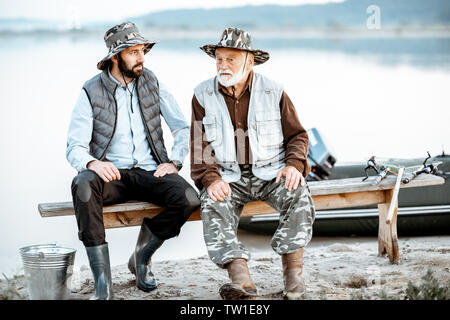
[{"x": 129, "y": 73}]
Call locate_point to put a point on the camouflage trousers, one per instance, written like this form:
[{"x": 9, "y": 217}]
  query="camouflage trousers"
[{"x": 221, "y": 218}]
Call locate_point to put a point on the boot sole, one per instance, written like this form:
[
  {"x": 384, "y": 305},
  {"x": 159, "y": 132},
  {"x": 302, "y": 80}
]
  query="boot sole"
[
  {"x": 133, "y": 271},
  {"x": 230, "y": 292},
  {"x": 146, "y": 289},
  {"x": 292, "y": 295}
]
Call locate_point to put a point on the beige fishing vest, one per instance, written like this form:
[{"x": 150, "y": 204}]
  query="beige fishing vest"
[{"x": 264, "y": 128}]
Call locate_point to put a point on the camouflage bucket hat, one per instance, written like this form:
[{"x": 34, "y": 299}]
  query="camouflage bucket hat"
[
  {"x": 120, "y": 37},
  {"x": 236, "y": 39}
]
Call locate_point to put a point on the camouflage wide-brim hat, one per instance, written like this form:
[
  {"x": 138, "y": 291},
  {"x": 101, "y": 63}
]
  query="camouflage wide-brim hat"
[
  {"x": 236, "y": 39},
  {"x": 120, "y": 37}
]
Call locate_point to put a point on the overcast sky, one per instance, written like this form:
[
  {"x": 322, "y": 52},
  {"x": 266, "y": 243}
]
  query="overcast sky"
[{"x": 101, "y": 10}]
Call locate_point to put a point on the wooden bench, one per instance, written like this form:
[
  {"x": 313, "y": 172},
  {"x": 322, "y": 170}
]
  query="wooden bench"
[{"x": 327, "y": 194}]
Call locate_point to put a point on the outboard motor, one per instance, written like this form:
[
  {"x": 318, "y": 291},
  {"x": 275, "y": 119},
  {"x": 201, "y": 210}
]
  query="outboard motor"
[{"x": 320, "y": 157}]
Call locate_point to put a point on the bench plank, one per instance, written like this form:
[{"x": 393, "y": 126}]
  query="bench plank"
[
  {"x": 328, "y": 194},
  {"x": 66, "y": 208},
  {"x": 357, "y": 185}
]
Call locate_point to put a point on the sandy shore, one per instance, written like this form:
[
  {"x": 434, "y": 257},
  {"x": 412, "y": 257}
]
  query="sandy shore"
[{"x": 334, "y": 269}]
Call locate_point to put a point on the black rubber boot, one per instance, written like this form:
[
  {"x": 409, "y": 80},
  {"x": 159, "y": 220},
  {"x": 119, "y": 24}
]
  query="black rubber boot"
[
  {"x": 140, "y": 261},
  {"x": 99, "y": 261}
]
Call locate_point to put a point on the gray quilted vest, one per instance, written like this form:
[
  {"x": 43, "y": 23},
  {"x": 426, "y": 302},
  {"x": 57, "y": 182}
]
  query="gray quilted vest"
[{"x": 101, "y": 94}]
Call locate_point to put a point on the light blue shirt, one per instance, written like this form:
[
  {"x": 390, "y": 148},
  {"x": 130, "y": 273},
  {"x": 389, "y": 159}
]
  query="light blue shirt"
[{"x": 129, "y": 147}]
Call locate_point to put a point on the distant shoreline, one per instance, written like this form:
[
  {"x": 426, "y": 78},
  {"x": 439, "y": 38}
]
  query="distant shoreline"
[{"x": 335, "y": 32}]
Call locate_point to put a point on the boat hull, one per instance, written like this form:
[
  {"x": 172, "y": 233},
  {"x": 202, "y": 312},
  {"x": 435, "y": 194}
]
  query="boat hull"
[{"x": 422, "y": 211}]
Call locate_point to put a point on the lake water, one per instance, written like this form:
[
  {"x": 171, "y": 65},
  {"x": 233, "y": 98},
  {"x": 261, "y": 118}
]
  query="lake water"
[{"x": 385, "y": 97}]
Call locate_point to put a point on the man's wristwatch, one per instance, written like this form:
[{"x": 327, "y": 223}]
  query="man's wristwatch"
[{"x": 177, "y": 164}]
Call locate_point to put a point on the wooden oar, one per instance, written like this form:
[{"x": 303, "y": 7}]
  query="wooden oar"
[{"x": 394, "y": 200}]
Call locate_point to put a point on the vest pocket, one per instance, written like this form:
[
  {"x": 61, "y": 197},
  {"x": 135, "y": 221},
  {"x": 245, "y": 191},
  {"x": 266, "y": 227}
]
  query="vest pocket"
[
  {"x": 210, "y": 125},
  {"x": 269, "y": 131}
]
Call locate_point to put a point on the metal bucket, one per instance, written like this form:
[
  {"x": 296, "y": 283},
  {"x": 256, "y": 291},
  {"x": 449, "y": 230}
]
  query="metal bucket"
[{"x": 48, "y": 271}]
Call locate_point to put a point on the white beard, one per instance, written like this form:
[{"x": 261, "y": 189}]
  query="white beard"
[{"x": 231, "y": 81}]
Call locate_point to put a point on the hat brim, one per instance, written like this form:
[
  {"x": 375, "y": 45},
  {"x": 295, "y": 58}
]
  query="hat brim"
[
  {"x": 260, "y": 55},
  {"x": 101, "y": 65}
]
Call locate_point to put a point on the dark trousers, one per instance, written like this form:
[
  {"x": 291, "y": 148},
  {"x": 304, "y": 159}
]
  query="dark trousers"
[{"x": 90, "y": 193}]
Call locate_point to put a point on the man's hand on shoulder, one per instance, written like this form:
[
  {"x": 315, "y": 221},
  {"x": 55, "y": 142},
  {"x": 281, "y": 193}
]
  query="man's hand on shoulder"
[
  {"x": 165, "y": 168},
  {"x": 218, "y": 190},
  {"x": 293, "y": 178},
  {"x": 106, "y": 170}
]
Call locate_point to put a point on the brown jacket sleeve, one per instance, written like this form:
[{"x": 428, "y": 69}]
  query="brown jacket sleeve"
[
  {"x": 202, "y": 173},
  {"x": 295, "y": 137}
]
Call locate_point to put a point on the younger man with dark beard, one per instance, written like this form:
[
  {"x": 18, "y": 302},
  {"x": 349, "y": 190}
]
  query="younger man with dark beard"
[{"x": 115, "y": 142}]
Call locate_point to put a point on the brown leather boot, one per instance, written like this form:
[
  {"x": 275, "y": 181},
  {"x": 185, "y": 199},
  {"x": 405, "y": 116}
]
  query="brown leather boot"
[
  {"x": 294, "y": 285},
  {"x": 241, "y": 286}
]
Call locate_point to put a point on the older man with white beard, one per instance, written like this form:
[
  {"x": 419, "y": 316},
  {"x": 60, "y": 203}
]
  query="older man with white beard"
[{"x": 245, "y": 139}]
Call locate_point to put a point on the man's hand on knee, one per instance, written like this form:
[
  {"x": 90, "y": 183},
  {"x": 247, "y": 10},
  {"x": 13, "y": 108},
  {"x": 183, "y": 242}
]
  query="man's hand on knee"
[
  {"x": 165, "y": 168},
  {"x": 105, "y": 170},
  {"x": 293, "y": 178},
  {"x": 218, "y": 190}
]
